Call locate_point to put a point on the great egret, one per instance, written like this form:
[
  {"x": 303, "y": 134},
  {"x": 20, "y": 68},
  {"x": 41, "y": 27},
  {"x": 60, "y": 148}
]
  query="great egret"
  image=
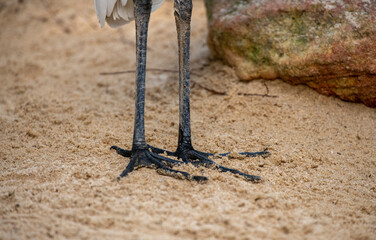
[{"x": 119, "y": 12}]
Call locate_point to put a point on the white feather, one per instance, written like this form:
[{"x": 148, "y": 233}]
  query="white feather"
[
  {"x": 101, "y": 9},
  {"x": 156, "y": 4},
  {"x": 118, "y": 12},
  {"x": 123, "y": 2},
  {"x": 110, "y": 7},
  {"x": 126, "y": 13}
]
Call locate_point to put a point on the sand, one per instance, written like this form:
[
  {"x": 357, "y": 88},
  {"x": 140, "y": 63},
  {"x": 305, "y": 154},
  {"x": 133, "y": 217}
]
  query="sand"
[{"x": 59, "y": 116}]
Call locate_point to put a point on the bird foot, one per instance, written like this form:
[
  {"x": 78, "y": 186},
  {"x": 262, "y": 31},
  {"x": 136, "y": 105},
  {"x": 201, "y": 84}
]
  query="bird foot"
[
  {"x": 163, "y": 165},
  {"x": 189, "y": 155}
]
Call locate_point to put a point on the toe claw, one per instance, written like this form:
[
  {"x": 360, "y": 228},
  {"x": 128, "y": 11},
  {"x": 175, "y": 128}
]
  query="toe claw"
[
  {"x": 255, "y": 154},
  {"x": 253, "y": 178},
  {"x": 200, "y": 179},
  {"x": 122, "y": 152}
]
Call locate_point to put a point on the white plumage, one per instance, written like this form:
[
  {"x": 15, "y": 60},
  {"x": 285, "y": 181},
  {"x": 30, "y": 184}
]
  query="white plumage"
[{"x": 118, "y": 12}]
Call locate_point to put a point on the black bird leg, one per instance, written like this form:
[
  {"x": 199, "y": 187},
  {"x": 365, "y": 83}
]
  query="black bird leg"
[
  {"x": 185, "y": 150},
  {"x": 141, "y": 156}
]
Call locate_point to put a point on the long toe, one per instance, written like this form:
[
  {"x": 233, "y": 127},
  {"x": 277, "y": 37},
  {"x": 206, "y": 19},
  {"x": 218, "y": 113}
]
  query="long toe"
[
  {"x": 169, "y": 162},
  {"x": 164, "y": 170},
  {"x": 198, "y": 158},
  {"x": 161, "y": 151},
  {"x": 180, "y": 174},
  {"x": 122, "y": 152}
]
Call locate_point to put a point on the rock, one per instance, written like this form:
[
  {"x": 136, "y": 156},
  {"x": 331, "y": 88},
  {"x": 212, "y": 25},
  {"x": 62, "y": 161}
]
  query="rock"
[{"x": 329, "y": 45}]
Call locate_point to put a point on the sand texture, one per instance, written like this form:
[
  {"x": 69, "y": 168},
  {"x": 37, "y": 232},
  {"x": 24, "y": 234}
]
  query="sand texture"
[{"x": 59, "y": 116}]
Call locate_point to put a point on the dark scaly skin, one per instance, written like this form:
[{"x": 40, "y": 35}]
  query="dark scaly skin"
[{"x": 144, "y": 155}]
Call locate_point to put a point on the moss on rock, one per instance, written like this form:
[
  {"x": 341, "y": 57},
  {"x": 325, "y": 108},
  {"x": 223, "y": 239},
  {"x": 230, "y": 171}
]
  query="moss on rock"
[{"x": 326, "y": 45}]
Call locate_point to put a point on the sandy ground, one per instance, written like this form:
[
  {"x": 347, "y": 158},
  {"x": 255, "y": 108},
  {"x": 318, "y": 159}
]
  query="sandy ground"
[{"x": 59, "y": 116}]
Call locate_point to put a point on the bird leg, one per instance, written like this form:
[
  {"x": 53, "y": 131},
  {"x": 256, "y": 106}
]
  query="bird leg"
[
  {"x": 144, "y": 155},
  {"x": 140, "y": 155},
  {"x": 185, "y": 150}
]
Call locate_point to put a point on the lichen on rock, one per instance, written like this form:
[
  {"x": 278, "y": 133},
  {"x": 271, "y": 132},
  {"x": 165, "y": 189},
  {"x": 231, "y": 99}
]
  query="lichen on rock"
[{"x": 327, "y": 45}]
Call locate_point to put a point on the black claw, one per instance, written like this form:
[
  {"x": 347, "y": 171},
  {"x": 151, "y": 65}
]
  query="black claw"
[
  {"x": 122, "y": 152},
  {"x": 247, "y": 154},
  {"x": 255, "y": 178},
  {"x": 200, "y": 178},
  {"x": 256, "y": 154}
]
